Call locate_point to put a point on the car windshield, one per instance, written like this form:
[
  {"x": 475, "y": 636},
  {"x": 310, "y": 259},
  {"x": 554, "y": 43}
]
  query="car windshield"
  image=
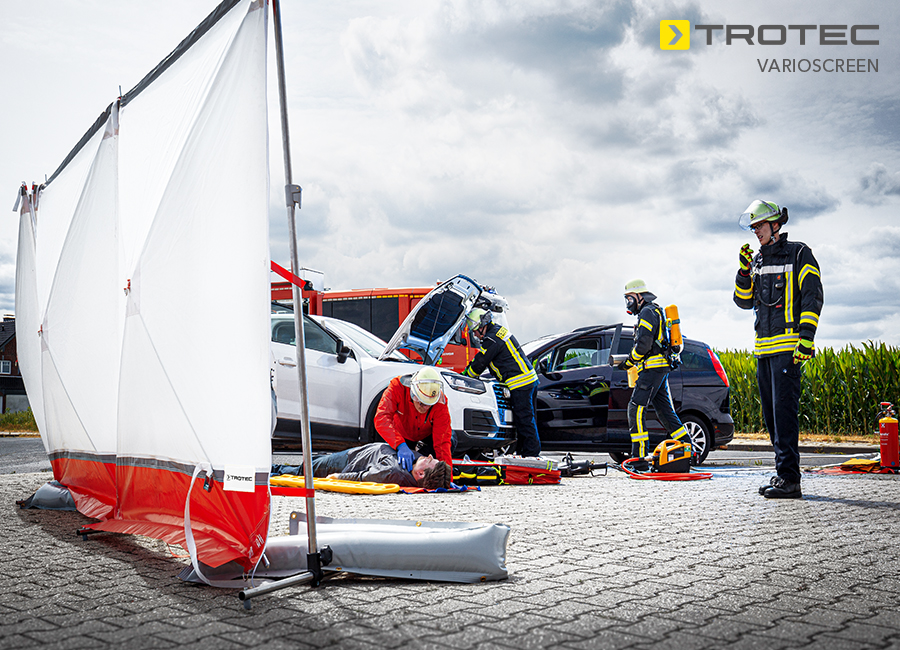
[{"x": 364, "y": 339}]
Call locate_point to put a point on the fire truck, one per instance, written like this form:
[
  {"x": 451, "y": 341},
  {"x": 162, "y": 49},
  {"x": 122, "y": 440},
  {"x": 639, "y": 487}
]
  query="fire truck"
[{"x": 380, "y": 310}]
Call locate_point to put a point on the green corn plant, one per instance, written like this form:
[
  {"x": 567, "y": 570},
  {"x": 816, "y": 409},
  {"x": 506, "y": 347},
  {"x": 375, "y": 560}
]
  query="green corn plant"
[{"x": 841, "y": 389}]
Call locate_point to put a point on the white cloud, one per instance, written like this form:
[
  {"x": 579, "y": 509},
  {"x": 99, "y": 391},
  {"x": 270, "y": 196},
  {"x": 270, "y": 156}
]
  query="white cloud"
[
  {"x": 877, "y": 185},
  {"x": 548, "y": 148}
]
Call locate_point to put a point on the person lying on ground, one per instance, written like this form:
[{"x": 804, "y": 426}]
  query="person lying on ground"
[{"x": 376, "y": 463}]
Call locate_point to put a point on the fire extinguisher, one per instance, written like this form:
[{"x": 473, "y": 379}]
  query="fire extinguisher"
[{"x": 887, "y": 428}]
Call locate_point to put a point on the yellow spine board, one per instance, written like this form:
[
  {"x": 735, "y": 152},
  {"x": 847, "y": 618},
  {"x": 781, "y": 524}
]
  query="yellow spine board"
[
  {"x": 336, "y": 485},
  {"x": 674, "y": 325}
]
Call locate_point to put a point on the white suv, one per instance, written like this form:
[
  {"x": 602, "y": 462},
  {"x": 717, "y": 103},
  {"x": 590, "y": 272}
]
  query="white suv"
[{"x": 347, "y": 370}]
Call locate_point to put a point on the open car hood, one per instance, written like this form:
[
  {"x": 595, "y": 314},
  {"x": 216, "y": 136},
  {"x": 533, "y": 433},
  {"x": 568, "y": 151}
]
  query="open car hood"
[{"x": 435, "y": 319}]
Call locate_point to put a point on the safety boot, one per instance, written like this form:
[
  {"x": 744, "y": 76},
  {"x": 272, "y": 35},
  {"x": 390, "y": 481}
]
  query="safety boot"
[
  {"x": 775, "y": 480},
  {"x": 638, "y": 450},
  {"x": 784, "y": 490}
]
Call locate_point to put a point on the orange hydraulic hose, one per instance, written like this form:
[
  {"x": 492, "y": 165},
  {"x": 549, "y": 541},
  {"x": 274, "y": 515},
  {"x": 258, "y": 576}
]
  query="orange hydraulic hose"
[{"x": 664, "y": 476}]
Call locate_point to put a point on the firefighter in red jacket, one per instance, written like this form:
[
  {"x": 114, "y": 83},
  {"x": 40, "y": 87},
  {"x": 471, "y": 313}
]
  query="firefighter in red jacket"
[{"x": 413, "y": 409}]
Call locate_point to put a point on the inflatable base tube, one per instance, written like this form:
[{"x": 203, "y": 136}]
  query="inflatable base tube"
[
  {"x": 417, "y": 550},
  {"x": 52, "y": 495}
]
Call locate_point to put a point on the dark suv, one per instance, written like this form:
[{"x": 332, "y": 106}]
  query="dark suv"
[{"x": 582, "y": 401}]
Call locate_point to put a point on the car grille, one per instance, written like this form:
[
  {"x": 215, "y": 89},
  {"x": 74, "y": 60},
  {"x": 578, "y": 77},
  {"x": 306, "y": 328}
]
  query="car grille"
[
  {"x": 502, "y": 402},
  {"x": 475, "y": 421}
]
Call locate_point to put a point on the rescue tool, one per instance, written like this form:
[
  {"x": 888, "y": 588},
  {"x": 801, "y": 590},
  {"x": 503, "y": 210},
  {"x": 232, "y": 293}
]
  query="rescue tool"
[{"x": 671, "y": 461}]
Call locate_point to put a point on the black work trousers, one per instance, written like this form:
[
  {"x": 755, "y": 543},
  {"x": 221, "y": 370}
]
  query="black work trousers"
[
  {"x": 652, "y": 387},
  {"x": 779, "y": 392},
  {"x": 322, "y": 466},
  {"x": 522, "y": 402}
]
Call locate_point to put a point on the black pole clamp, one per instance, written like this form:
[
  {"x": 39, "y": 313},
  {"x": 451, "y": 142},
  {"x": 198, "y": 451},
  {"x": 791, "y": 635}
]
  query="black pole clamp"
[{"x": 315, "y": 562}]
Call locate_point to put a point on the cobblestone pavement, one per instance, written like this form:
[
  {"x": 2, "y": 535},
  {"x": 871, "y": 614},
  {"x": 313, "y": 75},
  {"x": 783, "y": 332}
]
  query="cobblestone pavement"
[{"x": 597, "y": 562}]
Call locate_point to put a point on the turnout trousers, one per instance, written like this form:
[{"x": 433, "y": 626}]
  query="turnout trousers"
[
  {"x": 522, "y": 402},
  {"x": 779, "y": 392},
  {"x": 652, "y": 388}
]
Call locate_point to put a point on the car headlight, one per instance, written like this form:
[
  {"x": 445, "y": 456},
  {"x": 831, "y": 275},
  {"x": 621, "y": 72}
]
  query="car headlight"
[{"x": 464, "y": 384}]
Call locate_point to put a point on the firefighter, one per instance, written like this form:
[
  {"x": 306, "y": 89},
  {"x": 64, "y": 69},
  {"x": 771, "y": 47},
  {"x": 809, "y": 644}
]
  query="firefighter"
[
  {"x": 782, "y": 284},
  {"x": 650, "y": 355},
  {"x": 501, "y": 353},
  {"x": 413, "y": 409}
]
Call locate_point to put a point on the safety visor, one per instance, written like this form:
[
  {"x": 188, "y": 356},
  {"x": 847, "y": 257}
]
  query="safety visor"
[
  {"x": 756, "y": 212},
  {"x": 427, "y": 391}
]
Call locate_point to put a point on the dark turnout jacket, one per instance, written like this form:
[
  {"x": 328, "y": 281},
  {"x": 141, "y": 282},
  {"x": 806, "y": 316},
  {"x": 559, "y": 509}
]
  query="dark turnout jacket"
[
  {"x": 784, "y": 288},
  {"x": 500, "y": 351}
]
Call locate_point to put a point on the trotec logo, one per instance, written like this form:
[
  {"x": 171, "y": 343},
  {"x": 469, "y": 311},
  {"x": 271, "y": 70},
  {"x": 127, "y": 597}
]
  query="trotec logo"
[{"x": 674, "y": 34}]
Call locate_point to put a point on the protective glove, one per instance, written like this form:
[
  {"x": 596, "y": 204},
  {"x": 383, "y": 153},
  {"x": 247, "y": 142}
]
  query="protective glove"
[
  {"x": 803, "y": 351},
  {"x": 406, "y": 456},
  {"x": 625, "y": 365},
  {"x": 454, "y": 486},
  {"x": 746, "y": 258}
]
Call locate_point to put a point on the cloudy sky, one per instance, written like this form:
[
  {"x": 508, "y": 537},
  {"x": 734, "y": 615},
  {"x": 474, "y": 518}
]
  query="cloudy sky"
[{"x": 548, "y": 148}]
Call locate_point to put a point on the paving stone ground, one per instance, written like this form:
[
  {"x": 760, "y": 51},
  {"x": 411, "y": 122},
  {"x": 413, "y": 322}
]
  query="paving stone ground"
[{"x": 597, "y": 562}]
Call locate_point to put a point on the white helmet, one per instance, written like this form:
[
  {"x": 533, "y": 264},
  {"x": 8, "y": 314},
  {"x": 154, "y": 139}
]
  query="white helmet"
[{"x": 426, "y": 386}]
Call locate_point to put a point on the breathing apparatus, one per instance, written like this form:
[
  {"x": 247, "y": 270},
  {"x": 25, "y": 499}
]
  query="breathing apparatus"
[{"x": 632, "y": 305}]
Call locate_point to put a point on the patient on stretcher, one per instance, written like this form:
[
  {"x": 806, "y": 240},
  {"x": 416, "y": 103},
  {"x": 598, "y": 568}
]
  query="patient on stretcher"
[{"x": 377, "y": 463}]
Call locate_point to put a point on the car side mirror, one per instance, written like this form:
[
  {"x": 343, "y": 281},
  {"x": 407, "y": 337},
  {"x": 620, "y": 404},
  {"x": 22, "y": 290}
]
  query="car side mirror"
[
  {"x": 544, "y": 369},
  {"x": 343, "y": 351}
]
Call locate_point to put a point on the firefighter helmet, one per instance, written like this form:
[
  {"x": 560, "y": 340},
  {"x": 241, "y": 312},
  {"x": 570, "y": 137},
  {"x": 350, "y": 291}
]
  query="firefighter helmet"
[
  {"x": 639, "y": 287},
  {"x": 477, "y": 318},
  {"x": 760, "y": 211},
  {"x": 426, "y": 386}
]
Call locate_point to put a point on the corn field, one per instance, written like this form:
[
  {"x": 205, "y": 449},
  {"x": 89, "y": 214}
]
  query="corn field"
[{"x": 841, "y": 390}]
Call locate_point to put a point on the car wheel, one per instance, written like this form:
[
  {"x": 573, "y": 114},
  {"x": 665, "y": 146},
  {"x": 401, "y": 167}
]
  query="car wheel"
[
  {"x": 618, "y": 456},
  {"x": 369, "y": 435},
  {"x": 699, "y": 431}
]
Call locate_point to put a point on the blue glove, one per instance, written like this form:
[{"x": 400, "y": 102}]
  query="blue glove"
[
  {"x": 405, "y": 454},
  {"x": 454, "y": 486}
]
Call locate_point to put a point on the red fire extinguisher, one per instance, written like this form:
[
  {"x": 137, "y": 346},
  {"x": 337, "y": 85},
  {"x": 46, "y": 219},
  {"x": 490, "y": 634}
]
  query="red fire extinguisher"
[{"x": 887, "y": 428}]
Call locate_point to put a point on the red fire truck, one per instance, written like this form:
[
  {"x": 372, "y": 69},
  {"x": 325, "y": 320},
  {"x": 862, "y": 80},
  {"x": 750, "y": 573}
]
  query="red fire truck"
[{"x": 380, "y": 311}]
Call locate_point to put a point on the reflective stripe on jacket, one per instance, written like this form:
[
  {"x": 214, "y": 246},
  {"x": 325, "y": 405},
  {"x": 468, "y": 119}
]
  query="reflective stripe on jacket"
[{"x": 501, "y": 353}]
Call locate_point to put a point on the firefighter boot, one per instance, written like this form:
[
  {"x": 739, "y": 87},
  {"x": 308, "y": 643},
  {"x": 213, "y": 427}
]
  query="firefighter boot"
[
  {"x": 775, "y": 480},
  {"x": 639, "y": 450},
  {"x": 784, "y": 490}
]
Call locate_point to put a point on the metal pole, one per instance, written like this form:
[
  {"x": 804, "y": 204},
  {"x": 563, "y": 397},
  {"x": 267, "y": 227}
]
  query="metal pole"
[
  {"x": 299, "y": 579},
  {"x": 292, "y": 196}
]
